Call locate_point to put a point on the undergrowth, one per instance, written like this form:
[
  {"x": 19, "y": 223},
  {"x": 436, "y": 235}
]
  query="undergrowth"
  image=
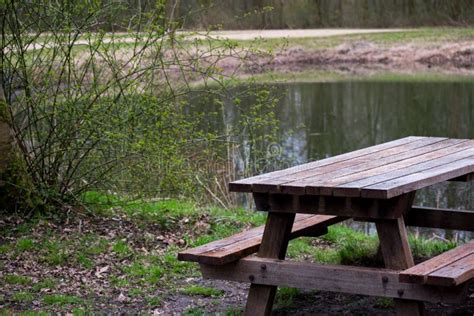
[{"x": 131, "y": 249}]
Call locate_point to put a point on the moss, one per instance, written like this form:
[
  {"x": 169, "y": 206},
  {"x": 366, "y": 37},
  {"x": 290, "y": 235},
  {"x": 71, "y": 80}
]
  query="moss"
[{"x": 17, "y": 193}]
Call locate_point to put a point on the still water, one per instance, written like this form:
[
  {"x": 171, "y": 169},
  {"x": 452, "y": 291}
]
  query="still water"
[{"x": 318, "y": 120}]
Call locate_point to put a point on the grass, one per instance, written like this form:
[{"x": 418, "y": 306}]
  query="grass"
[
  {"x": 23, "y": 297},
  {"x": 420, "y": 36},
  {"x": 18, "y": 279},
  {"x": 46, "y": 283},
  {"x": 202, "y": 291},
  {"x": 25, "y": 244},
  {"x": 60, "y": 299},
  {"x": 285, "y": 296},
  {"x": 149, "y": 276}
]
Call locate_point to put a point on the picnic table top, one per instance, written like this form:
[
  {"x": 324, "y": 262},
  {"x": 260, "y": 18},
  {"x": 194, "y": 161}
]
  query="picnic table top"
[{"x": 382, "y": 171}]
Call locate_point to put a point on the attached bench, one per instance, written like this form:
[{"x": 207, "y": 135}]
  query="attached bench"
[
  {"x": 246, "y": 243},
  {"x": 451, "y": 268}
]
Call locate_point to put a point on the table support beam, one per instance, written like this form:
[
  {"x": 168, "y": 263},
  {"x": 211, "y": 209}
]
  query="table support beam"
[
  {"x": 396, "y": 251},
  {"x": 274, "y": 244},
  {"x": 333, "y": 278}
]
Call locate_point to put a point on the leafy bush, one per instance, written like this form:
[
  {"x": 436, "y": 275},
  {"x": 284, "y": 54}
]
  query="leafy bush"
[{"x": 90, "y": 110}]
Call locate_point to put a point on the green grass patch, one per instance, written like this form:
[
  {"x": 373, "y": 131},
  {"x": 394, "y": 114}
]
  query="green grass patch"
[
  {"x": 384, "y": 303},
  {"x": 194, "y": 311},
  {"x": 60, "y": 299},
  {"x": 121, "y": 248},
  {"x": 46, "y": 283},
  {"x": 25, "y": 244},
  {"x": 18, "y": 279},
  {"x": 5, "y": 248},
  {"x": 426, "y": 248},
  {"x": 202, "y": 291},
  {"x": 285, "y": 296},
  {"x": 153, "y": 301},
  {"x": 144, "y": 272},
  {"x": 23, "y": 297}
]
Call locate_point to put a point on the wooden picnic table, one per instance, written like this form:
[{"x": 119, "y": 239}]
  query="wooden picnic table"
[{"x": 375, "y": 184}]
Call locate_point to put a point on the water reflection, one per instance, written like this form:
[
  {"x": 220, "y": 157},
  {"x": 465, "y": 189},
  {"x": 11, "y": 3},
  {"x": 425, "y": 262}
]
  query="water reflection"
[{"x": 319, "y": 120}]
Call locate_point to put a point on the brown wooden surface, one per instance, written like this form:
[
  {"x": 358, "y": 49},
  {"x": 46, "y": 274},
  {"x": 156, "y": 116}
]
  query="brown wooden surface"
[
  {"x": 274, "y": 244},
  {"x": 440, "y": 218},
  {"x": 333, "y": 278},
  {"x": 383, "y": 171},
  {"x": 396, "y": 251},
  {"x": 448, "y": 263},
  {"x": 453, "y": 274},
  {"x": 245, "y": 243}
]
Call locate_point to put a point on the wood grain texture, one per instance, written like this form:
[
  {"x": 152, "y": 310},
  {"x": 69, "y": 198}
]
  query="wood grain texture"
[
  {"x": 440, "y": 218},
  {"x": 350, "y": 166},
  {"x": 419, "y": 273},
  {"x": 333, "y": 278},
  {"x": 418, "y": 180},
  {"x": 396, "y": 251},
  {"x": 454, "y": 273},
  {"x": 244, "y": 185},
  {"x": 382, "y": 172},
  {"x": 411, "y": 154},
  {"x": 274, "y": 244},
  {"x": 245, "y": 243}
]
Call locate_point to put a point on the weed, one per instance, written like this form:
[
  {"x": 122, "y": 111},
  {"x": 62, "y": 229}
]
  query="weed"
[
  {"x": 17, "y": 279},
  {"x": 153, "y": 301},
  {"x": 329, "y": 256},
  {"x": 233, "y": 311},
  {"x": 47, "y": 283},
  {"x": 285, "y": 296},
  {"x": 195, "y": 311},
  {"x": 55, "y": 252},
  {"x": 203, "y": 291},
  {"x": 135, "y": 292},
  {"x": 298, "y": 247},
  {"x": 120, "y": 282},
  {"x": 426, "y": 248},
  {"x": 84, "y": 261},
  {"x": 121, "y": 248},
  {"x": 384, "y": 303},
  {"x": 5, "y": 248},
  {"x": 23, "y": 297},
  {"x": 60, "y": 299},
  {"x": 145, "y": 272},
  {"x": 25, "y": 244}
]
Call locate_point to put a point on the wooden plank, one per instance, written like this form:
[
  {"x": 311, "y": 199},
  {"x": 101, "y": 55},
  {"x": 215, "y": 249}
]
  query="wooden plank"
[
  {"x": 244, "y": 185},
  {"x": 464, "y": 178},
  {"x": 286, "y": 184},
  {"x": 440, "y": 218},
  {"x": 415, "y": 181},
  {"x": 396, "y": 251},
  {"x": 418, "y": 274},
  {"x": 350, "y": 185},
  {"x": 245, "y": 243},
  {"x": 274, "y": 244},
  {"x": 311, "y": 182},
  {"x": 453, "y": 274},
  {"x": 333, "y": 278},
  {"x": 329, "y": 205},
  {"x": 431, "y": 160}
]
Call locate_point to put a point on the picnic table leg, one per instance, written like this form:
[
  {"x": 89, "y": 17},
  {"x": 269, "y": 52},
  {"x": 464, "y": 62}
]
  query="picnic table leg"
[
  {"x": 397, "y": 254},
  {"x": 274, "y": 244}
]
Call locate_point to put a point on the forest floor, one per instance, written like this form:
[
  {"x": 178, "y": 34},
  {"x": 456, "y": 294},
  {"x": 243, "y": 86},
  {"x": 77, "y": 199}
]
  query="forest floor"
[{"x": 121, "y": 259}]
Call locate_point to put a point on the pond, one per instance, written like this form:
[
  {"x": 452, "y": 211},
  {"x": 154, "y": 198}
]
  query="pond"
[{"x": 323, "y": 119}]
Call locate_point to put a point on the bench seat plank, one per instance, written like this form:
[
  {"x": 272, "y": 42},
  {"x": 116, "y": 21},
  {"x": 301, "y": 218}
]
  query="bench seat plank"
[
  {"x": 453, "y": 274},
  {"x": 245, "y": 243},
  {"x": 421, "y": 273}
]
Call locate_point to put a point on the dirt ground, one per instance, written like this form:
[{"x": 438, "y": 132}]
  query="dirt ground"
[{"x": 362, "y": 57}]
